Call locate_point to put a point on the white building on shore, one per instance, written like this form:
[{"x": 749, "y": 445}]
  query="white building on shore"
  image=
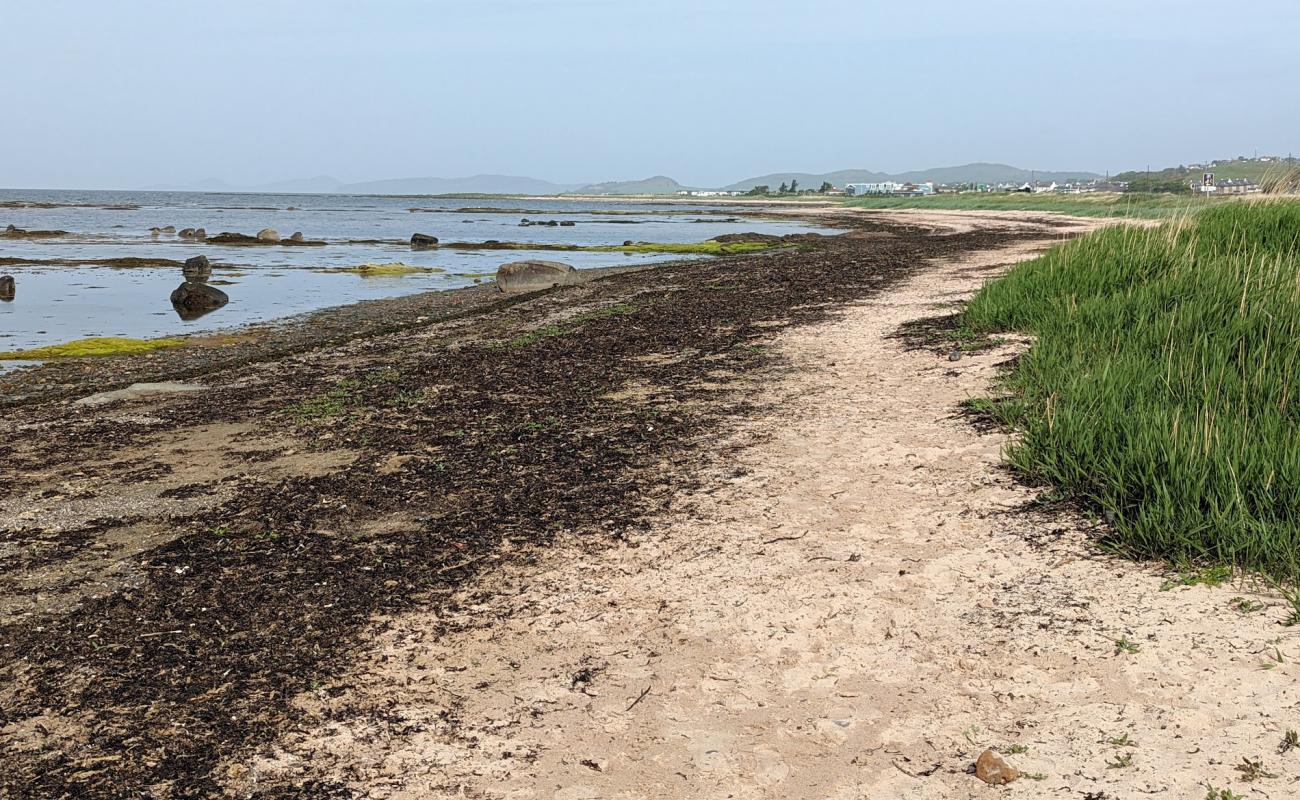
[{"x": 887, "y": 188}]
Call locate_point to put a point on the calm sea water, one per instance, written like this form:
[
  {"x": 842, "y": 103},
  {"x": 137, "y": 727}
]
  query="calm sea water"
[{"x": 60, "y": 303}]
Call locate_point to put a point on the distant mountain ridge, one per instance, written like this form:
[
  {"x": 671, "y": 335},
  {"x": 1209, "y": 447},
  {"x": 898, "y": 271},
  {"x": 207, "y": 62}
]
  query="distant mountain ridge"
[
  {"x": 979, "y": 172},
  {"x": 659, "y": 184}
]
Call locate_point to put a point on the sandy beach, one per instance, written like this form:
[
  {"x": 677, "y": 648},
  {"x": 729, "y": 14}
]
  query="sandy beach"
[{"x": 709, "y": 529}]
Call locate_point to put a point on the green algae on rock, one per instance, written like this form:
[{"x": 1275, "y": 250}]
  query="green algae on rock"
[{"x": 93, "y": 347}]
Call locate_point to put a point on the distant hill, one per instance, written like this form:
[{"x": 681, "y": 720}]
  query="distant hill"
[
  {"x": 1177, "y": 178},
  {"x": 322, "y": 184},
  {"x": 982, "y": 172},
  {"x": 967, "y": 173},
  {"x": 808, "y": 180},
  {"x": 659, "y": 184}
]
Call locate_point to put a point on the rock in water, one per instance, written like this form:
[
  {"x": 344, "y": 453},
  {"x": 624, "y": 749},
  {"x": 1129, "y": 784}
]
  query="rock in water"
[
  {"x": 747, "y": 238},
  {"x": 7, "y": 287},
  {"x": 994, "y": 770},
  {"x": 192, "y": 299},
  {"x": 268, "y": 235},
  {"x": 197, "y": 269},
  {"x": 419, "y": 240},
  {"x": 532, "y": 276}
]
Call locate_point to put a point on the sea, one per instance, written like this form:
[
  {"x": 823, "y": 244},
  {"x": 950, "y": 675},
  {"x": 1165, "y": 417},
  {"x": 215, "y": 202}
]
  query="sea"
[{"x": 61, "y": 295}]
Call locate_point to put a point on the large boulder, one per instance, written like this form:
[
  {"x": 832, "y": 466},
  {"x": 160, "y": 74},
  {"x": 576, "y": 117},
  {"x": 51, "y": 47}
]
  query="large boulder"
[
  {"x": 7, "y": 287},
  {"x": 268, "y": 235},
  {"x": 532, "y": 276},
  {"x": 197, "y": 269},
  {"x": 423, "y": 240},
  {"x": 192, "y": 299}
]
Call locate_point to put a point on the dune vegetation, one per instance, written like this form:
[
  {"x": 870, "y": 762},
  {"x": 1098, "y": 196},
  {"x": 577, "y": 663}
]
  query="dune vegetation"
[{"x": 1163, "y": 388}]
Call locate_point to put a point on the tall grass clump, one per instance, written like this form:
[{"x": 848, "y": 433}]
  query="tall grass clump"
[{"x": 1164, "y": 384}]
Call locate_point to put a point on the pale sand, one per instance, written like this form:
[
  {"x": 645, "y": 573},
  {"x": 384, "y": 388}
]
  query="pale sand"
[{"x": 854, "y": 608}]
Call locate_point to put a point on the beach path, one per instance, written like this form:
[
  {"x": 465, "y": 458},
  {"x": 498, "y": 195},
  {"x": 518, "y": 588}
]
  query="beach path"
[{"x": 855, "y": 602}]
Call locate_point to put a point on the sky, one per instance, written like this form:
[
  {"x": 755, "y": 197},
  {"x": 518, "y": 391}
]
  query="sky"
[{"x": 136, "y": 93}]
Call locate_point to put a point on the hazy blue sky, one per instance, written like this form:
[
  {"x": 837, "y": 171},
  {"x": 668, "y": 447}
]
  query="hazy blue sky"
[{"x": 138, "y": 92}]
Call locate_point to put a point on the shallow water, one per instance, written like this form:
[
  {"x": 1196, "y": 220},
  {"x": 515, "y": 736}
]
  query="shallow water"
[{"x": 59, "y": 303}]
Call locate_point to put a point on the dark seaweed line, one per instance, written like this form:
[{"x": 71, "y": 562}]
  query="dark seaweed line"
[{"x": 527, "y": 444}]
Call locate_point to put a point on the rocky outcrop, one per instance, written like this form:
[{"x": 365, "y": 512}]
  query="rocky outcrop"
[
  {"x": 532, "y": 276},
  {"x": 423, "y": 240},
  {"x": 268, "y": 235},
  {"x": 197, "y": 269},
  {"x": 15, "y": 232},
  {"x": 236, "y": 238},
  {"x": 7, "y": 287},
  {"x": 748, "y": 238},
  {"x": 194, "y": 298}
]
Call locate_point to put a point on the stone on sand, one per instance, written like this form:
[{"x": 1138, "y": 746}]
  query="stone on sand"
[
  {"x": 994, "y": 770},
  {"x": 138, "y": 390},
  {"x": 532, "y": 276}
]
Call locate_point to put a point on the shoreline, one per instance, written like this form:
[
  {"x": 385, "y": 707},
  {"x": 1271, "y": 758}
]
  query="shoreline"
[
  {"x": 407, "y": 461},
  {"x": 223, "y": 348}
]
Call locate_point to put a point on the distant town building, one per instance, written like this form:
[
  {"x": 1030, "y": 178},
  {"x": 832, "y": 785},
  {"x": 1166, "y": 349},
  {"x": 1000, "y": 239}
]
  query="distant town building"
[
  {"x": 888, "y": 188},
  {"x": 1237, "y": 186}
]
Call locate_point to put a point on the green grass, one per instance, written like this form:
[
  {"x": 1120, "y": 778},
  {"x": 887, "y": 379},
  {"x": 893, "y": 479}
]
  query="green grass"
[
  {"x": 1162, "y": 387},
  {"x": 1099, "y": 204},
  {"x": 96, "y": 347}
]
